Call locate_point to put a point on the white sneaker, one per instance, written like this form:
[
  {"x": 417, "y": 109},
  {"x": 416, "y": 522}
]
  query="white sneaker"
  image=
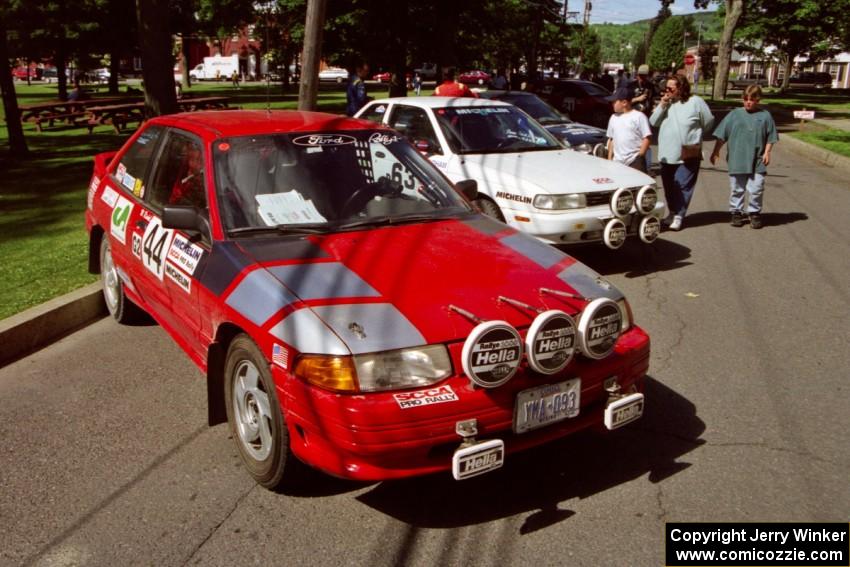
[{"x": 677, "y": 223}]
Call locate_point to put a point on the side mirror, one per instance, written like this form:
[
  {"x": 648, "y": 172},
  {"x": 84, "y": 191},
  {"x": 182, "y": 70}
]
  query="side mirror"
[
  {"x": 186, "y": 218},
  {"x": 468, "y": 188}
]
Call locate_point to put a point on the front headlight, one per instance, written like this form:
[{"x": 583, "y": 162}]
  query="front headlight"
[
  {"x": 406, "y": 368},
  {"x": 557, "y": 202},
  {"x": 626, "y": 312},
  {"x": 390, "y": 370},
  {"x": 583, "y": 148}
]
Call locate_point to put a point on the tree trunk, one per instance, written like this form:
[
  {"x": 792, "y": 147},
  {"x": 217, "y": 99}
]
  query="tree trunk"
[
  {"x": 788, "y": 64},
  {"x": 313, "y": 27},
  {"x": 184, "y": 64},
  {"x": 115, "y": 41},
  {"x": 17, "y": 143},
  {"x": 734, "y": 10},
  {"x": 398, "y": 80},
  {"x": 61, "y": 73},
  {"x": 157, "y": 65}
]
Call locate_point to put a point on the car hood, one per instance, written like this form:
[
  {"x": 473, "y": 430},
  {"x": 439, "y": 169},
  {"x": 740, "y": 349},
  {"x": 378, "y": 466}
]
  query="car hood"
[
  {"x": 391, "y": 287},
  {"x": 576, "y": 133},
  {"x": 561, "y": 171}
]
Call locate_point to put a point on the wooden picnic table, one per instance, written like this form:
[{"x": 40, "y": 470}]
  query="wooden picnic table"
[
  {"x": 71, "y": 111},
  {"x": 116, "y": 115},
  {"x": 203, "y": 103}
]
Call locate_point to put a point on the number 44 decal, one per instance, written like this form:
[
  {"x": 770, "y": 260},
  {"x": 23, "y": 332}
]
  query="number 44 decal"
[{"x": 155, "y": 245}]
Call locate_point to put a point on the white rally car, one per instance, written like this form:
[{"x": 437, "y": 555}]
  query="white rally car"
[{"x": 526, "y": 178}]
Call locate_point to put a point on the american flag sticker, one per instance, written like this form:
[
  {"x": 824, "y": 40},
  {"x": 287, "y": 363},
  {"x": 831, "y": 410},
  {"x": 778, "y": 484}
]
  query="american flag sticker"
[{"x": 280, "y": 356}]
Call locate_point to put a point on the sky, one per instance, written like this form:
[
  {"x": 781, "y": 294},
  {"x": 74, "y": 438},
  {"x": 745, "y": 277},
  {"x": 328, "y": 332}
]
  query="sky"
[{"x": 628, "y": 11}]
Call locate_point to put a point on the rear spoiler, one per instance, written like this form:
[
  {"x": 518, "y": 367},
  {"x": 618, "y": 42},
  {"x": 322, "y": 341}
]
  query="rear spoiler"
[{"x": 101, "y": 162}]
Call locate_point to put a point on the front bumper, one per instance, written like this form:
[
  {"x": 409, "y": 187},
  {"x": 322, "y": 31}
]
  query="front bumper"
[
  {"x": 573, "y": 226},
  {"x": 369, "y": 437}
]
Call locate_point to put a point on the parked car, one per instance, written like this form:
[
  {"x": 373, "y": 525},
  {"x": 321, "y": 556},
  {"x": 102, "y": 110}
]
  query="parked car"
[
  {"x": 428, "y": 72},
  {"x": 349, "y": 308},
  {"x": 475, "y": 77},
  {"x": 809, "y": 80},
  {"x": 579, "y": 137},
  {"x": 744, "y": 81},
  {"x": 526, "y": 178},
  {"x": 582, "y": 100},
  {"x": 334, "y": 74},
  {"x": 385, "y": 77}
]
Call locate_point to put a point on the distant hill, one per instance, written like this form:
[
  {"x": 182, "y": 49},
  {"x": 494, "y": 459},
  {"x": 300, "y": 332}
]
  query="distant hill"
[{"x": 619, "y": 41}]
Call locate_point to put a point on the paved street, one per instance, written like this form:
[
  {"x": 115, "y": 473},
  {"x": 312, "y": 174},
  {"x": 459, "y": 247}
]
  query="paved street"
[{"x": 106, "y": 458}]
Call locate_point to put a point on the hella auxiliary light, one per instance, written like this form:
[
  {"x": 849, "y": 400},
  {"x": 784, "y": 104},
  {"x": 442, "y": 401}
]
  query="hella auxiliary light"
[{"x": 560, "y": 202}]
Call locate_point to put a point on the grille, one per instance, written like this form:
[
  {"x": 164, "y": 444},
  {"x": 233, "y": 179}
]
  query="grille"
[{"x": 598, "y": 198}]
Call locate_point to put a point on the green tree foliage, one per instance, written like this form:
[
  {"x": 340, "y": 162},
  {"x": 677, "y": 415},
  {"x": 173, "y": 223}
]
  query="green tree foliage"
[
  {"x": 797, "y": 27},
  {"x": 666, "y": 53}
]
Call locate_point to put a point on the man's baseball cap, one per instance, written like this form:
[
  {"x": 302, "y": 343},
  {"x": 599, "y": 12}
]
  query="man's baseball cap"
[
  {"x": 623, "y": 93},
  {"x": 643, "y": 70}
]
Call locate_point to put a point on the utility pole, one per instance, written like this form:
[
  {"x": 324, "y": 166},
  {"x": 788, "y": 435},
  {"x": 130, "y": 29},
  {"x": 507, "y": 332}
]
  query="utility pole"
[
  {"x": 587, "y": 8},
  {"x": 312, "y": 54}
]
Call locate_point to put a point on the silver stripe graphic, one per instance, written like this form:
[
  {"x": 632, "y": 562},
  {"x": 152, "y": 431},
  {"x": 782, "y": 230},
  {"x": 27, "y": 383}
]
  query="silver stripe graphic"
[
  {"x": 383, "y": 326},
  {"x": 323, "y": 280},
  {"x": 365, "y": 327},
  {"x": 588, "y": 283},
  {"x": 259, "y": 296},
  {"x": 542, "y": 254},
  {"x": 306, "y": 333}
]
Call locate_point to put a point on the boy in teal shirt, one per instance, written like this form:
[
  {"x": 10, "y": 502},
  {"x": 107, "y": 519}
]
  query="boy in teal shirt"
[{"x": 751, "y": 134}]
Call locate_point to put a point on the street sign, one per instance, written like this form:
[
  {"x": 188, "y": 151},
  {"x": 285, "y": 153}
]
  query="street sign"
[
  {"x": 689, "y": 59},
  {"x": 804, "y": 114}
]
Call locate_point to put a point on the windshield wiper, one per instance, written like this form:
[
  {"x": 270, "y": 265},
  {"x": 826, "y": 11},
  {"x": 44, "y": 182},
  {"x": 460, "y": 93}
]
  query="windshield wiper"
[
  {"x": 281, "y": 229},
  {"x": 383, "y": 221}
]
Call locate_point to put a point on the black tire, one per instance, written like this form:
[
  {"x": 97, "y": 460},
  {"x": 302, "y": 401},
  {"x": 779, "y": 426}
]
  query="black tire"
[
  {"x": 119, "y": 305},
  {"x": 255, "y": 418},
  {"x": 490, "y": 208}
]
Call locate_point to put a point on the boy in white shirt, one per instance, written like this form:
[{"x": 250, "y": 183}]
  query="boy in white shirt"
[{"x": 629, "y": 134}]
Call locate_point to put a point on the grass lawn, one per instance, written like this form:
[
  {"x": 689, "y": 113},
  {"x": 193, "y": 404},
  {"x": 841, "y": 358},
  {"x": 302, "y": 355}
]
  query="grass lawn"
[
  {"x": 837, "y": 141},
  {"x": 43, "y": 242}
]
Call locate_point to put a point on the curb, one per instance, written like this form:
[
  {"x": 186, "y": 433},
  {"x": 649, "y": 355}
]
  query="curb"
[
  {"x": 813, "y": 152},
  {"x": 44, "y": 324}
]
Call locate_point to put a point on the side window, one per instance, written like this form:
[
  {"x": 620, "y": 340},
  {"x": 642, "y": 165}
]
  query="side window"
[
  {"x": 413, "y": 124},
  {"x": 179, "y": 176},
  {"x": 375, "y": 113},
  {"x": 131, "y": 170}
]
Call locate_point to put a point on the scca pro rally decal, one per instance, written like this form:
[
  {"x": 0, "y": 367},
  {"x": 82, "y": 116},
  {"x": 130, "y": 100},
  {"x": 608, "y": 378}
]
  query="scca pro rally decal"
[
  {"x": 184, "y": 253},
  {"x": 428, "y": 397}
]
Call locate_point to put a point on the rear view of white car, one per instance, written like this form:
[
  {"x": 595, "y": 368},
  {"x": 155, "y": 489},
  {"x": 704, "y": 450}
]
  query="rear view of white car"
[{"x": 526, "y": 178}]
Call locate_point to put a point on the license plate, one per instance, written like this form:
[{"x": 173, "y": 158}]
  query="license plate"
[
  {"x": 545, "y": 405},
  {"x": 478, "y": 459},
  {"x": 623, "y": 411}
]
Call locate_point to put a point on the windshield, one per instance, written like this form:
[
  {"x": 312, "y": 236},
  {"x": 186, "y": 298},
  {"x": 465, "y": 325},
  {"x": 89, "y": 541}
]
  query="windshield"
[
  {"x": 536, "y": 108},
  {"x": 327, "y": 181},
  {"x": 492, "y": 129}
]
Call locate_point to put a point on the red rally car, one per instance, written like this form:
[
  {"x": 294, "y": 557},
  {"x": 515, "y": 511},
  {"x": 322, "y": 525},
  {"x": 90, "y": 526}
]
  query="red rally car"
[{"x": 349, "y": 307}]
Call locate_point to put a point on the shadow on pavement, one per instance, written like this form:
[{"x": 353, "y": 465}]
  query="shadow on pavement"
[
  {"x": 723, "y": 217},
  {"x": 633, "y": 259},
  {"x": 540, "y": 480}
]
